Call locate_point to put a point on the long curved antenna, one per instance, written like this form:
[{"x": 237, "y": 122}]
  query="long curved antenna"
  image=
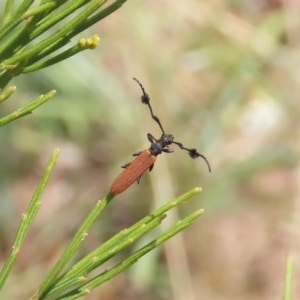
[
  {"x": 194, "y": 154},
  {"x": 146, "y": 100}
]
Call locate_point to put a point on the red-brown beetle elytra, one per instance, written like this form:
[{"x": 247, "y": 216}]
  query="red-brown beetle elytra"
[{"x": 145, "y": 159}]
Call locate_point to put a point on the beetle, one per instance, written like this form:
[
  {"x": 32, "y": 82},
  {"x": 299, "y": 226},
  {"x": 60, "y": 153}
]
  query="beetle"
[{"x": 145, "y": 159}]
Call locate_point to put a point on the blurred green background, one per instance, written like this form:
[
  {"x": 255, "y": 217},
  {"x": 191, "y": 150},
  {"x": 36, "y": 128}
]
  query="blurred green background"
[{"x": 223, "y": 76}]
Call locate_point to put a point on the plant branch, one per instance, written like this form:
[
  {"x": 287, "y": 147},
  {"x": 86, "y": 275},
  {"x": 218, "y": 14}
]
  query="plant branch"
[
  {"x": 114, "y": 245},
  {"x": 125, "y": 264},
  {"x": 27, "y": 109},
  {"x": 82, "y": 45},
  {"x": 8, "y": 10},
  {"x": 27, "y": 219},
  {"x": 7, "y": 93},
  {"x": 73, "y": 246}
]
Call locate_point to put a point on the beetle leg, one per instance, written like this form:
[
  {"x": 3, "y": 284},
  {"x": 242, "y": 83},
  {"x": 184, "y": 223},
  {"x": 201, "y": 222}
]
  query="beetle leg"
[
  {"x": 168, "y": 150},
  {"x": 151, "y": 138},
  {"x": 125, "y": 165},
  {"x": 137, "y": 153},
  {"x": 139, "y": 179},
  {"x": 151, "y": 167}
]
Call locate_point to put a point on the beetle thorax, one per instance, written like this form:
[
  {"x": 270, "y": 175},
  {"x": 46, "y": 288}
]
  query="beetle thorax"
[
  {"x": 166, "y": 140},
  {"x": 157, "y": 147}
]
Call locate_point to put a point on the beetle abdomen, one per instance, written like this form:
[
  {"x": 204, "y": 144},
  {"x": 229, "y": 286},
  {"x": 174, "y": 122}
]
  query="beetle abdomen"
[{"x": 133, "y": 172}]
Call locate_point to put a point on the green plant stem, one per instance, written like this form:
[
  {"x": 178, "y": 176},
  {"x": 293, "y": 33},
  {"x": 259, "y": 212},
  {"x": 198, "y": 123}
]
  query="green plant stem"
[
  {"x": 127, "y": 233},
  {"x": 11, "y": 71},
  {"x": 107, "y": 275},
  {"x": 7, "y": 93},
  {"x": 27, "y": 109},
  {"x": 12, "y": 20},
  {"x": 8, "y": 29},
  {"x": 27, "y": 219},
  {"x": 116, "y": 244},
  {"x": 55, "y": 5},
  {"x": 73, "y": 246},
  {"x": 22, "y": 9},
  {"x": 40, "y": 9},
  {"x": 57, "y": 36},
  {"x": 12, "y": 44},
  {"x": 34, "y": 12},
  {"x": 13, "y": 49},
  {"x": 90, "y": 43},
  {"x": 101, "y": 255},
  {"x": 76, "y": 30},
  {"x": 8, "y": 10},
  {"x": 57, "y": 16}
]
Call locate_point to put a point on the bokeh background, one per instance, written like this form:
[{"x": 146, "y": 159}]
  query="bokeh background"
[{"x": 224, "y": 77}]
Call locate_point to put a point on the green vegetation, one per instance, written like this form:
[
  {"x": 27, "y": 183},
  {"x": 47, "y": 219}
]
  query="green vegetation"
[{"x": 223, "y": 78}]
